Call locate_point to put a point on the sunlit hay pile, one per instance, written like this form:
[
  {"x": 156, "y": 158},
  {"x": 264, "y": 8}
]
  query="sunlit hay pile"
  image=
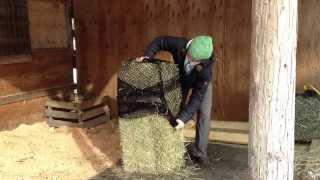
[
  {"x": 150, "y": 145},
  {"x": 307, "y": 126},
  {"x": 146, "y": 93},
  {"x": 307, "y": 161}
]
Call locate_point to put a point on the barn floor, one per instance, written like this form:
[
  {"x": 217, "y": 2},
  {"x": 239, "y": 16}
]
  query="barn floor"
[
  {"x": 39, "y": 152},
  {"x": 228, "y": 162}
]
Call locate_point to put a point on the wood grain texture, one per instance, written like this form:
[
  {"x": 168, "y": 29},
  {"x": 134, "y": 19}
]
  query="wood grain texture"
[
  {"x": 235, "y": 68},
  {"x": 48, "y": 24},
  {"x": 272, "y": 89},
  {"x": 111, "y": 32},
  {"x": 308, "y": 54},
  {"x": 107, "y": 36}
]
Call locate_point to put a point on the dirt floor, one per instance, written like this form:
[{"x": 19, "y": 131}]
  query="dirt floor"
[{"x": 40, "y": 152}]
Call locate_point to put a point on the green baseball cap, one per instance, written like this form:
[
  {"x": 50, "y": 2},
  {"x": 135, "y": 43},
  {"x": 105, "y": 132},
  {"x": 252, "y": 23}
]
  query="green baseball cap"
[{"x": 201, "y": 47}]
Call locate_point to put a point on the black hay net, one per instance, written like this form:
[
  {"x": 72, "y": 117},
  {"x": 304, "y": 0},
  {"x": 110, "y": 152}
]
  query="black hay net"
[{"x": 149, "y": 86}]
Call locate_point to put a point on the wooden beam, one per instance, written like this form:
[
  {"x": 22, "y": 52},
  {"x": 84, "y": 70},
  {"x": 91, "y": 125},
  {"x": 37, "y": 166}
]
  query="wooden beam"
[
  {"x": 59, "y": 123},
  {"x": 224, "y": 131},
  {"x": 14, "y": 59},
  {"x": 272, "y": 89},
  {"x": 225, "y": 137},
  {"x": 33, "y": 94},
  {"x": 61, "y": 104},
  {"x": 233, "y": 125}
]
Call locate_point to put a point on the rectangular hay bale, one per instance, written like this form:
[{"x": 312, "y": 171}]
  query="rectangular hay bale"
[{"x": 150, "y": 144}]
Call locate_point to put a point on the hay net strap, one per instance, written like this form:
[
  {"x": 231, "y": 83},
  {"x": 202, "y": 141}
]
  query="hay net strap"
[{"x": 162, "y": 97}]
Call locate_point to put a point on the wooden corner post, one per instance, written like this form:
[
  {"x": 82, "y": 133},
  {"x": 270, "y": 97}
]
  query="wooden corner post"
[{"x": 272, "y": 89}]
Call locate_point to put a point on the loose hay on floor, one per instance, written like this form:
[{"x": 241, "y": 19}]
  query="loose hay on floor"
[
  {"x": 307, "y": 161},
  {"x": 150, "y": 144}
]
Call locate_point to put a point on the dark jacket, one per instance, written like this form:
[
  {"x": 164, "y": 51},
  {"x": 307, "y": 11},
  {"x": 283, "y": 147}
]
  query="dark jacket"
[{"x": 197, "y": 80}]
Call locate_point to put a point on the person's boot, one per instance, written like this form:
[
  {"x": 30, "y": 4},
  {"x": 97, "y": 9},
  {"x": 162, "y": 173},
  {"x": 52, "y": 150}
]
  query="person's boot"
[{"x": 201, "y": 161}]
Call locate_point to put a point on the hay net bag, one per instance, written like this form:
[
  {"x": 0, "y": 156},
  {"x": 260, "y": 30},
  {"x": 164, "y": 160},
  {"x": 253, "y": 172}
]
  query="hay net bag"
[
  {"x": 152, "y": 86},
  {"x": 307, "y": 117}
]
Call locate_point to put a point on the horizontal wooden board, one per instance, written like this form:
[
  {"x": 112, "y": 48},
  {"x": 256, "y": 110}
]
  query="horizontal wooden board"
[
  {"x": 14, "y": 59},
  {"x": 61, "y": 104},
  {"x": 61, "y": 114},
  {"x": 55, "y": 91},
  {"x": 231, "y": 125},
  {"x": 96, "y": 121},
  {"x": 58, "y": 123},
  {"x": 221, "y": 136},
  {"x": 93, "y": 113},
  {"x": 86, "y": 124}
]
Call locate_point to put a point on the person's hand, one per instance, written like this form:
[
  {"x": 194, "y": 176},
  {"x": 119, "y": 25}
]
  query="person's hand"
[
  {"x": 180, "y": 124},
  {"x": 140, "y": 59}
]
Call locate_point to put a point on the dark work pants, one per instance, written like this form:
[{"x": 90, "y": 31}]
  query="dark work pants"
[{"x": 203, "y": 125}]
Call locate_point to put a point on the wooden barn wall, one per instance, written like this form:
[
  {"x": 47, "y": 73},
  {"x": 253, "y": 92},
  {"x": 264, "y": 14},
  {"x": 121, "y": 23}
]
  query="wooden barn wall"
[
  {"x": 48, "y": 66},
  {"x": 232, "y": 99},
  {"x": 308, "y": 58},
  {"x": 110, "y": 32}
]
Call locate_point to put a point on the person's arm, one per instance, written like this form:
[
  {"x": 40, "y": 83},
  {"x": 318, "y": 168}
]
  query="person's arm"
[
  {"x": 165, "y": 43},
  {"x": 196, "y": 98}
]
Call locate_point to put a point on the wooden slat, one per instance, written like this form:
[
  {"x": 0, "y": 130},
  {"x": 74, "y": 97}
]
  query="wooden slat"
[
  {"x": 224, "y": 125},
  {"x": 93, "y": 113},
  {"x": 94, "y": 122},
  {"x": 223, "y": 131},
  {"x": 58, "y": 123},
  {"x": 33, "y": 94},
  {"x": 226, "y": 137},
  {"x": 61, "y": 104},
  {"x": 61, "y": 114},
  {"x": 231, "y": 125},
  {"x": 14, "y": 59}
]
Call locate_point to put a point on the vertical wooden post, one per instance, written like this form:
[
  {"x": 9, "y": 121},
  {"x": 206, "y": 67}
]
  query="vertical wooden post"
[{"x": 272, "y": 90}]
